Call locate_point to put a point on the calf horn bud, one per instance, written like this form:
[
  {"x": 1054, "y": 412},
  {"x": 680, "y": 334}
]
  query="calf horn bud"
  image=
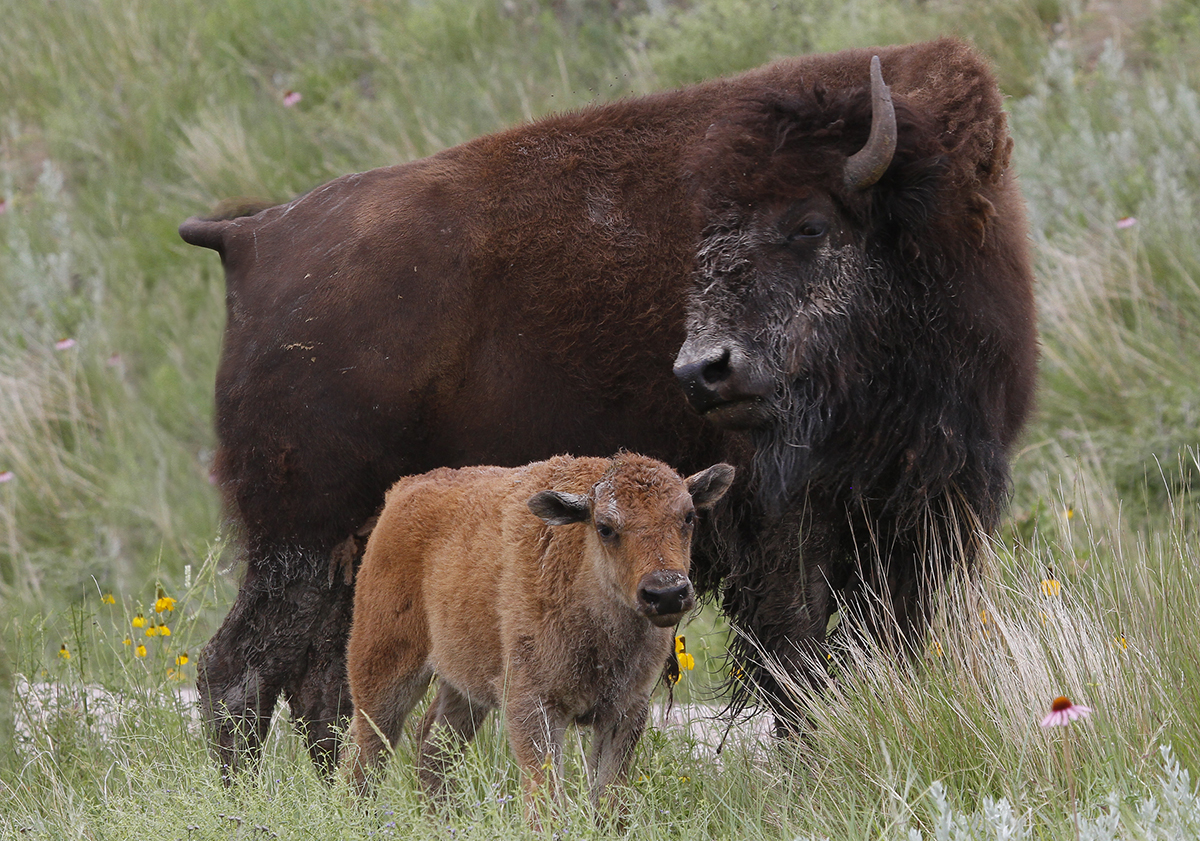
[{"x": 868, "y": 164}]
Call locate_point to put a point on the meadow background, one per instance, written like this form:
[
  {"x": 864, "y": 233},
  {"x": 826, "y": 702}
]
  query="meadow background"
[{"x": 119, "y": 118}]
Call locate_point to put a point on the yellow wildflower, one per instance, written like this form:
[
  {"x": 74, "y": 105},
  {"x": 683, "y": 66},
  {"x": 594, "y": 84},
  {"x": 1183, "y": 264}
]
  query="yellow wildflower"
[
  {"x": 937, "y": 648},
  {"x": 1051, "y": 587},
  {"x": 164, "y": 602},
  {"x": 686, "y": 661},
  {"x": 108, "y": 598},
  {"x": 1069, "y": 512},
  {"x": 182, "y": 659},
  {"x": 139, "y": 621},
  {"x": 63, "y": 653},
  {"x": 164, "y": 631},
  {"x": 127, "y": 641},
  {"x": 140, "y": 651},
  {"x": 151, "y": 630}
]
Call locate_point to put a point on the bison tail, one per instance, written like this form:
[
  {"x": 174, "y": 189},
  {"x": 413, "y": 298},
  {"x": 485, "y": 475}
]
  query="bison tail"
[
  {"x": 209, "y": 231},
  {"x": 206, "y": 233}
]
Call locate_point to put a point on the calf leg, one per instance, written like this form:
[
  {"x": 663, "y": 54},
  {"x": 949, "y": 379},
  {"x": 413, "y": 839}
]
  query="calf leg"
[
  {"x": 378, "y": 722},
  {"x": 386, "y": 661},
  {"x": 535, "y": 731},
  {"x": 451, "y": 721},
  {"x": 613, "y": 743}
]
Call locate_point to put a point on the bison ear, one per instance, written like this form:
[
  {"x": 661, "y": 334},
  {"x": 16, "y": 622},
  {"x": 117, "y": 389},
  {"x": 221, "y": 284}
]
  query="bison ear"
[
  {"x": 708, "y": 486},
  {"x": 558, "y": 508}
]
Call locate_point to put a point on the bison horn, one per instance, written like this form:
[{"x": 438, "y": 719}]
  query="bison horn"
[{"x": 868, "y": 164}]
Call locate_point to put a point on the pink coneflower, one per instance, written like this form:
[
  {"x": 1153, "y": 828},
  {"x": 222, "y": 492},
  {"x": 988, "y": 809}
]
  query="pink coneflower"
[
  {"x": 3, "y": 205},
  {"x": 291, "y": 98},
  {"x": 64, "y": 344},
  {"x": 1063, "y": 712},
  {"x": 7, "y": 476},
  {"x": 1126, "y": 222}
]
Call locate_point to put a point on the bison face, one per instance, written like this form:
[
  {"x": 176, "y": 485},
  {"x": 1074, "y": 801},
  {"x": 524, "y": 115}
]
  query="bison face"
[
  {"x": 779, "y": 271},
  {"x": 774, "y": 287}
]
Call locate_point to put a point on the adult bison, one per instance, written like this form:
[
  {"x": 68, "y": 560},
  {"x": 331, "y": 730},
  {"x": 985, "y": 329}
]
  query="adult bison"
[{"x": 838, "y": 278}]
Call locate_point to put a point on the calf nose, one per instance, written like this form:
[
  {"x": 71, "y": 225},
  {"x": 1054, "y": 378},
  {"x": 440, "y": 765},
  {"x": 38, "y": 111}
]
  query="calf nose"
[
  {"x": 663, "y": 597},
  {"x": 701, "y": 372}
]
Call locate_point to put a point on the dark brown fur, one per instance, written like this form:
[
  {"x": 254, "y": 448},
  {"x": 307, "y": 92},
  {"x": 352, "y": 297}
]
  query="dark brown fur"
[
  {"x": 549, "y": 590},
  {"x": 527, "y": 293}
]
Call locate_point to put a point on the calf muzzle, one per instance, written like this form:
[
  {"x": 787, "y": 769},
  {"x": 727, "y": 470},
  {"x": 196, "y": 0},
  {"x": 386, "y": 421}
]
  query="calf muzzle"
[{"x": 664, "y": 597}]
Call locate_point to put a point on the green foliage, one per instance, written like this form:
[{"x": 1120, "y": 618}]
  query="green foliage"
[
  {"x": 1110, "y": 162},
  {"x": 691, "y": 41}
]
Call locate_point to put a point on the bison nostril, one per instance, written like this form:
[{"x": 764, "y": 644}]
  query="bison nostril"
[
  {"x": 717, "y": 370},
  {"x": 704, "y": 371}
]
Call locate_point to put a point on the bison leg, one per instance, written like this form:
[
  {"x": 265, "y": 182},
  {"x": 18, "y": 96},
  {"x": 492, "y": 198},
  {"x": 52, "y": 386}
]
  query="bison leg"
[
  {"x": 240, "y": 676},
  {"x": 451, "y": 721},
  {"x": 894, "y": 595},
  {"x": 318, "y": 694},
  {"x": 275, "y": 633},
  {"x": 784, "y": 611}
]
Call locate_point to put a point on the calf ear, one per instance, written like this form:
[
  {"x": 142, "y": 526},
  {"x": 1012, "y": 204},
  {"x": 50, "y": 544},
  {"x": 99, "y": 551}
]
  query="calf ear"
[
  {"x": 558, "y": 508},
  {"x": 708, "y": 486}
]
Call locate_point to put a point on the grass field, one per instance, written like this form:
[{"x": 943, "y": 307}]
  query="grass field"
[{"x": 119, "y": 118}]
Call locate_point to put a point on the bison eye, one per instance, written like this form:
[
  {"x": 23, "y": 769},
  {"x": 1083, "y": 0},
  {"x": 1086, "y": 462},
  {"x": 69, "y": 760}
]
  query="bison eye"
[
  {"x": 606, "y": 532},
  {"x": 810, "y": 230},
  {"x": 689, "y": 518}
]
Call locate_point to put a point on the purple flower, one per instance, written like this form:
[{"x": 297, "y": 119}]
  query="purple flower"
[
  {"x": 1063, "y": 712},
  {"x": 291, "y": 98}
]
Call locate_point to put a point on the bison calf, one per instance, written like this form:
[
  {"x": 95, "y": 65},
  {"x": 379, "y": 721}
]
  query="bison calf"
[{"x": 549, "y": 590}]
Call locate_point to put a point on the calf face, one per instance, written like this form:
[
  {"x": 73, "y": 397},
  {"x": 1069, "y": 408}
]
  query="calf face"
[{"x": 641, "y": 532}]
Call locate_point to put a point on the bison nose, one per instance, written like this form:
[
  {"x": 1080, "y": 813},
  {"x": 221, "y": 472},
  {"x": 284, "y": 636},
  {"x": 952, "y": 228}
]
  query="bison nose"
[
  {"x": 701, "y": 373},
  {"x": 725, "y": 384},
  {"x": 663, "y": 597}
]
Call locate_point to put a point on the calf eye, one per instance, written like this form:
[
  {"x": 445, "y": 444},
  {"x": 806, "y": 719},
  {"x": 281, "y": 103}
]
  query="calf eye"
[
  {"x": 689, "y": 518},
  {"x": 606, "y": 531}
]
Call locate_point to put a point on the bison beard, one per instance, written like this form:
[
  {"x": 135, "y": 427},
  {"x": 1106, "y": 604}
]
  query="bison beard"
[{"x": 851, "y": 321}]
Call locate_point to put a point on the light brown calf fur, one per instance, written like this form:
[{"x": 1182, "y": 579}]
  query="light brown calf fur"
[{"x": 549, "y": 590}]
